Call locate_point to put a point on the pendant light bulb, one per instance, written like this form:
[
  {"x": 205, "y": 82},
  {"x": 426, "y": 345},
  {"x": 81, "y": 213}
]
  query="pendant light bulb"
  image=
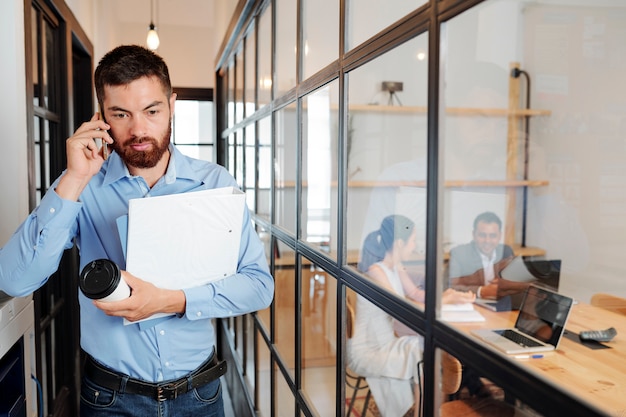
[{"x": 153, "y": 38}]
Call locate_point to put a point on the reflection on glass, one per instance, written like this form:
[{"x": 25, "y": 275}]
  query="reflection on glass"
[
  {"x": 319, "y": 168},
  {"x": 193, "y": 122},
  {"x": 249, "y": 75},
  {"x": 320, "y": 43},
  {"x": 250, "y": 168},
  {"x": 285, "y": 167},
  {"x": 239, "y": 103},
  {"x": 506, "y": 150},
  {"x": 368, "y": 18},
  {"x": 388, "y": 359},
  {"x": 286, "y": 403},
  {"x": 34, "y": 19},
  {"x": 240, "y": 323},
  {"x": 231, "y": 154},
  {"x": 265, "y": 168},
  {"x": 319, "y": 330},
  {"x": 285, "y": 305},
  {"x": 458, "y": 398},
  {"x": 476, "y": 266},
  {"x": 264, "y": 315},
  {"x": 230, "y": 95},
  {"x": 239, "y": 158},
  {"x": 263, "y": 375},
  {"x": 264, "y": 75},
  {"x": 50, "y": 73},
  {"x": 249, "y": 364},
  {"x": 286, "y": 55},
  {"x": 192, "y": 129},
  {"x": 387, "y": 146}
]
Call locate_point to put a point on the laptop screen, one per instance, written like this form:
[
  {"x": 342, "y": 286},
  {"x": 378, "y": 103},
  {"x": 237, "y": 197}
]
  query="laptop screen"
[
  {"x": 543, "y": 314},
  {"x": 540, "y": 272}
]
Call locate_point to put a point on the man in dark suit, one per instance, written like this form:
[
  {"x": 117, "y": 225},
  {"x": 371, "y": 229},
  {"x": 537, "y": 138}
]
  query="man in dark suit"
[{"x": 476, "y": 266}]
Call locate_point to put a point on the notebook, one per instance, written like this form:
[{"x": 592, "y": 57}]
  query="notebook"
[
  {"x": 501, "y": 304},
  {"x": 539, "y": 326}
]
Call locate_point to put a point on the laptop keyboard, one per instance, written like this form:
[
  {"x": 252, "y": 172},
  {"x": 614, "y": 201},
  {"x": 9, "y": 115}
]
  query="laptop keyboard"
[{"x": 520, "y": 339}]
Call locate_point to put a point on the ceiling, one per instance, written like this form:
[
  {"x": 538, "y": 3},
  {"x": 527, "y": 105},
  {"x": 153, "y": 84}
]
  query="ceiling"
[{"x": 166, "y": 12}]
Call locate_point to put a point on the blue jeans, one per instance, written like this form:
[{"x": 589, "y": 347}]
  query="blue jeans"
[{"x": 204, "y": 401}]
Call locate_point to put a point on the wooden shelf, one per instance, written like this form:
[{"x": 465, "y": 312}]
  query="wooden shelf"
[
  {"x": 463, "y": 111},
  {"x": 447, "y": 184}
]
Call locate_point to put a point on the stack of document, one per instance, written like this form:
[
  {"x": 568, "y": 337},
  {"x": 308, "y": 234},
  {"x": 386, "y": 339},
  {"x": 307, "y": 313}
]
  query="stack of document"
[
  {"x": 460, "y": 313},
  {"x": 181, "y": 241}
]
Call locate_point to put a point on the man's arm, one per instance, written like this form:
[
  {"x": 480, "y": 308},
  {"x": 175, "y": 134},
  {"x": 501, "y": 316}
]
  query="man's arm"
[
  {"x": 466, "y": 272},
  {"x": 250, "y": 289},
  {"x": 34, "y": 251}
]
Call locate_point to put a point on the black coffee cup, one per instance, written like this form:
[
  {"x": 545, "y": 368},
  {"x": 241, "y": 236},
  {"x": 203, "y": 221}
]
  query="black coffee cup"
[{"x": 102, "y": 280}]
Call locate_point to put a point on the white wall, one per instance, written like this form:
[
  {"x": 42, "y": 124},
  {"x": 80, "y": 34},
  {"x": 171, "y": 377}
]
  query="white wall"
[
  {"x": 189, "y": 45},
  {"x": 190, "y": 35},
  {"x": 13, "y": 169}
]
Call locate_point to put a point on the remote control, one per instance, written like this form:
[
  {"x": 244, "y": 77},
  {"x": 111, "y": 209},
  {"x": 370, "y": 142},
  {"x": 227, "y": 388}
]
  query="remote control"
[{"x": 598, "y": 335}]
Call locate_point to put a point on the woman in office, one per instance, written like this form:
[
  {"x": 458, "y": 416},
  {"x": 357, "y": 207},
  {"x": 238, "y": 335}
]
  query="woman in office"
[{"x": 376, "y": 350}]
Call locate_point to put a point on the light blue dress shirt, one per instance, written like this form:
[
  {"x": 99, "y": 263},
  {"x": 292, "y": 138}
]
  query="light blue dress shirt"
[{"x": 170, "y": 347}]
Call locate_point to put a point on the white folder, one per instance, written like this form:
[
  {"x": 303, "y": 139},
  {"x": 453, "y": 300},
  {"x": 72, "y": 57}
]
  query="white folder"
[{"x": 181, "y": 241}]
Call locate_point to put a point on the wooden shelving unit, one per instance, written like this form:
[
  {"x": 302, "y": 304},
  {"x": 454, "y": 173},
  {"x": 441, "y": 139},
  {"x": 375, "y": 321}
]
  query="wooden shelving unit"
[{"x": 512, "y": 182}]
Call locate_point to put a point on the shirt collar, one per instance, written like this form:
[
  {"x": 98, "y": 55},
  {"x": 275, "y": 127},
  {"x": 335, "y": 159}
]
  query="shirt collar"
[{"x": 178, "y": 167}]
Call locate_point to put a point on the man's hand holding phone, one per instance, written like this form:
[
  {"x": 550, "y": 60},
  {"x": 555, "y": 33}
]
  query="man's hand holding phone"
[{"x": 85, "y": 156}]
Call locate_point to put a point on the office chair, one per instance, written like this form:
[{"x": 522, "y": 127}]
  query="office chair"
[
  {"x": 470, "y": 407},
  {"x": 609, "y": 302}
]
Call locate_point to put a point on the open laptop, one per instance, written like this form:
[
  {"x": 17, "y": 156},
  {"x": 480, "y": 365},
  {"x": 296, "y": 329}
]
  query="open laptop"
[
  {"x": 545, "y": 273},
  {"x": 539, "y": 326},
  {"x": 542, "y": 272}
]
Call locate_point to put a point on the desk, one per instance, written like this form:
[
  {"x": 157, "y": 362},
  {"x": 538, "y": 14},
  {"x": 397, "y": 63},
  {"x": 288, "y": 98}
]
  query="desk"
[{"x": 597, "y": 376}]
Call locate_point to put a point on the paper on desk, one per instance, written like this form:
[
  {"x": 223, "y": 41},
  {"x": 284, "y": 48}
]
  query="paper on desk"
[
  {"x": 460, "y": 313},
  {"x": 185, "y": 240}
]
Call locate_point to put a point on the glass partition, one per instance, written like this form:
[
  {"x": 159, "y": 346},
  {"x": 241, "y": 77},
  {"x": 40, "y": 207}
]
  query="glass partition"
[
  {"x": 286, "y": 47},
  {"x": 263, "y": 391},
  {"x": 239, "y": 87},
  {"x": 520, "y": 146},
  {"x": 250, "y": 166},
  {"x": 382, "y": 361},
  {"x": 320, "y": 42},
  {"x": 367, "y": 18},
  {"x": 285, "y": 306},
  {"x": 249, "y": 72},
  {"x": 529, "y": 132},
  {"x": 319, "y": 168},
  {"x": 264, "y": 58},
  {"x": 285, "y": 167},
  {"x": 319, "y": 340},
  {"x": 387, "y": 167},
  {"x": 264, "y": 168},
  {"x": 230, "y": 96}
]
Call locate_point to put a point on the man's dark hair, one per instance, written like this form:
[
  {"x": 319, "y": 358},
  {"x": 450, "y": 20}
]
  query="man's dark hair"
[
  {"x": 488, "y": 217},
  {"x": 128, "y": 63}
]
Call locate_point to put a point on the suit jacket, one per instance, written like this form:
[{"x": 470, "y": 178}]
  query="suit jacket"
[{"x": 466, "y": 268}]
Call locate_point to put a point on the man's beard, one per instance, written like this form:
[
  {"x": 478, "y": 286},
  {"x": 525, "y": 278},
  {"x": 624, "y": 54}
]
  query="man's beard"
[{"x": 143, "y": 159}]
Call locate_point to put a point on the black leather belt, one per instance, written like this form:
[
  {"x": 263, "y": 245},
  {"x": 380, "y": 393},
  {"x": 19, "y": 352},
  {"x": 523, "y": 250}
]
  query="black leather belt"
[{"x": 167, "y": 390}]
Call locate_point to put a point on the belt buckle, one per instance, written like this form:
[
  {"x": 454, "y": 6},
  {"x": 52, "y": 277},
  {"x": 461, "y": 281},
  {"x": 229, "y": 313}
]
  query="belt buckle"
[{"x": 164, "y": 392}]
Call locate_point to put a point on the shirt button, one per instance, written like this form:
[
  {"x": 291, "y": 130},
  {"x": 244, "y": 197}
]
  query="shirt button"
[
  {"x": 162, "y": 332},
  {"x": 167, "y": 364},
  {"x": 199, "y": 313},
  {"x": 52, "y": 210}
]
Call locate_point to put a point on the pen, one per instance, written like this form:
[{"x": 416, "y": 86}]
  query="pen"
[{"x": 528, "y": 356}]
